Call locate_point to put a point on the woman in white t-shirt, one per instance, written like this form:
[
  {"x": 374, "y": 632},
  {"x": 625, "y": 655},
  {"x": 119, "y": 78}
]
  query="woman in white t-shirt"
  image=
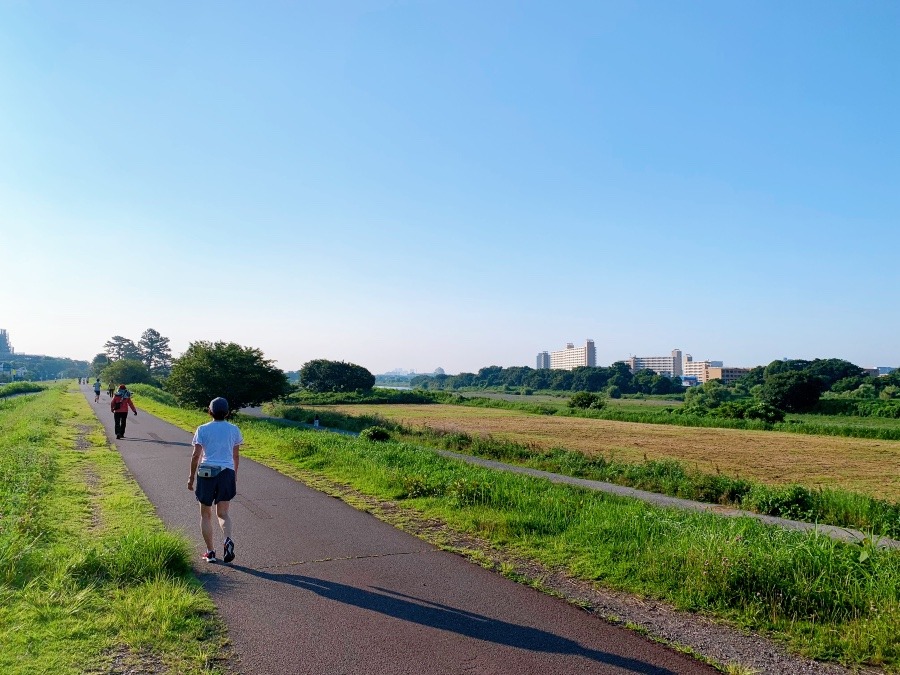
[{"x": 214, "y": 465}]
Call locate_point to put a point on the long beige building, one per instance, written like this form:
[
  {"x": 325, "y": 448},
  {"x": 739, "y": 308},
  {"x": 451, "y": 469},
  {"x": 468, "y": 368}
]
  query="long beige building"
[{"x": 571, "y": 357}]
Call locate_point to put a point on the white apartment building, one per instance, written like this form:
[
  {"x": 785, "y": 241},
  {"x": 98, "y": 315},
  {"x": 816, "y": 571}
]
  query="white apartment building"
[
  {"x": 699, "y": 369},
  {"x": 573, "y": 357},
  {"x": 670, "y": 366}
]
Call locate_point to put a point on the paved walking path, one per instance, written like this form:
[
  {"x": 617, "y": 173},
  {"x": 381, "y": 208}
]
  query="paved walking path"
[
  {"x": 318, "y": 587},
  {"x": 840, "y": 533}
]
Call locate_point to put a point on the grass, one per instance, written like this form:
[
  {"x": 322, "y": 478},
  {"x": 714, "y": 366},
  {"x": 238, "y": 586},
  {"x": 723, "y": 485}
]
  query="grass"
[
  {"x": 868, "y": 467},
  {"x": 89, "y": 578},
  {"x": 824, "y": 599},
  {"x": 829, "y": 506},
  {"x": 19, "y": 388}
]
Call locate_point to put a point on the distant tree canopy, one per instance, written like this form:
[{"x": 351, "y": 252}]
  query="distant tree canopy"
[
  {"x": 239, "y": 374},
  {"x": 118, "y": 348},
  {"x": 792, "y": 391},
  {"x": 615, "y": 380},
  {"x": 321, "y": 375},
  {"x": 126, "y": 371},
  {"x": 152, "y": 350}
]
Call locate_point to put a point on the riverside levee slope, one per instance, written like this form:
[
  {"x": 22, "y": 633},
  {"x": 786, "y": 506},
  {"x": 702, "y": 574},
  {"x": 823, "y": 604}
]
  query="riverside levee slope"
[{"x": 319, "y": 587}]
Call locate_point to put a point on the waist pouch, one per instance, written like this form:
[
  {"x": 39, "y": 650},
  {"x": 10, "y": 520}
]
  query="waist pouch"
[{"x": 208, "y": 470}]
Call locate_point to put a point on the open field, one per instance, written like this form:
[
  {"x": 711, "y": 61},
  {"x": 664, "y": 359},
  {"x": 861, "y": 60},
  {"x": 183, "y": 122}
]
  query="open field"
[{"x": 862, "y": 465}]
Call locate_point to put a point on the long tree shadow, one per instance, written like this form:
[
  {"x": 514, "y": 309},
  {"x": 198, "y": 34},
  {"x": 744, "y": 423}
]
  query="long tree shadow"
[{"x": 444, "y": 617}]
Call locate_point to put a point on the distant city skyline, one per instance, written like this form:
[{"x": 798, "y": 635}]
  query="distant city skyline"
[{"x": 452, "y": 185}]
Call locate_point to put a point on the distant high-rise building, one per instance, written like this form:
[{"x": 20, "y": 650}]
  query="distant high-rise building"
[
  {"x": 5, "y": 347},
  {"x": 574, "y": 357},
  {"x": 699, "y": 369},
  {"x": 670, "y": 366},
  {"x": 543, "y": 360}
]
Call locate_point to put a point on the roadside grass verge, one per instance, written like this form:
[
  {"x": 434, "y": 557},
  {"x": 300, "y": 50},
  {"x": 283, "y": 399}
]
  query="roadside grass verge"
[
  {"x": 89, "y": 578},
  {"x": 825, "y": 599},
  {"x": 829, "y": 506}
]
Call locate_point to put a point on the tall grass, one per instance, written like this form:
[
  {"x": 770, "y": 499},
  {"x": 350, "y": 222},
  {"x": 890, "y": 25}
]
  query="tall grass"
[
  {"x": 19, "y": 388},
  {"x": 80, "y": 550}
]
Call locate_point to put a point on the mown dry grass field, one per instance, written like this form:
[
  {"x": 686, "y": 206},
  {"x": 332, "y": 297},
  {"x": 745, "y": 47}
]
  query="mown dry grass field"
[{"x": 868, "y": 466}]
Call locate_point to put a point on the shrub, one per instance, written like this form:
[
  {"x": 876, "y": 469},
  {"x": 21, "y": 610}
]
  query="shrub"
[
  {"x": 375, "y": 434},
  {"x": 587, "y": 400}
]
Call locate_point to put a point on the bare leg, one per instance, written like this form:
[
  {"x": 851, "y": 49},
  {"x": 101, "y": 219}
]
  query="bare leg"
[
  {"x": 224, "y": 518},
  {"x": 206, "y": 527}
]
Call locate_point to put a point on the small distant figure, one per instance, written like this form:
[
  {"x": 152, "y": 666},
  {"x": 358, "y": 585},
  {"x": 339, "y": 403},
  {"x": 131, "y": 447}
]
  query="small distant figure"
[
  {"x": 214, "y": 465},
  {"x": 316, "y": 422},
  {"x": 97, "y": 390},
  {"x": 119, "y": 406},
  {"x": 111, "y": 388}
]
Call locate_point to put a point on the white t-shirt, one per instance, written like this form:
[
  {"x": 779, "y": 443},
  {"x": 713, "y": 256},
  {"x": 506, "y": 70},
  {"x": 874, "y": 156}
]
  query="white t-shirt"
[{"x": 218, "y": 439}]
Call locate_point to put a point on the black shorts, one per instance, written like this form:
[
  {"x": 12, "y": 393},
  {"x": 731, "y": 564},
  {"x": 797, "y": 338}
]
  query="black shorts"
[{"x": 222, "y": 488}]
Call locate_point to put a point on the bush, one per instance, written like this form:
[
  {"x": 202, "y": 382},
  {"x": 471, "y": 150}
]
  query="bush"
[
  {"x": 375, "y": 434},
  {"x": 587, "y": 400}
]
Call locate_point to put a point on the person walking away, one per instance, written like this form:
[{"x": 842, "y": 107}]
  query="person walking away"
[
  {"x": 316, "y": 422},
  {"x": 111, "y": 388},
  {"x": 119, "y": 405},
  {"x": 214, "y": 465},
  {"x": 97, "y": 390}
]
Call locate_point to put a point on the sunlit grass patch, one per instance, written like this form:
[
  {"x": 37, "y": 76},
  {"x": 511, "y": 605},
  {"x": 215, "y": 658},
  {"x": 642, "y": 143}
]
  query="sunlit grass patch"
[{"x": 81, "y": 550}]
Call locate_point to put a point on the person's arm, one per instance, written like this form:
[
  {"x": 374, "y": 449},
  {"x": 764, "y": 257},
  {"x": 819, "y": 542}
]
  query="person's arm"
[
  {"x": 236, "y": 456},
  {"x": 195, "y": 460},
  {"x": 131, "y": 403}
]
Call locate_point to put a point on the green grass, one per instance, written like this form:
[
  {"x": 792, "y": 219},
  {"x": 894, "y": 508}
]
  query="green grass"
[
  {"x": 829, "y": 506},
  {"x": 825, "y": 599},
  {"x": 19, "y": 388},
  {"x": 88, "y": 575}
]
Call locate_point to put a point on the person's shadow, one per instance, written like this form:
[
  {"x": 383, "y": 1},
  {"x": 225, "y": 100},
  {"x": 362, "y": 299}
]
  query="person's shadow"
[{"x": 443, "y": 617}]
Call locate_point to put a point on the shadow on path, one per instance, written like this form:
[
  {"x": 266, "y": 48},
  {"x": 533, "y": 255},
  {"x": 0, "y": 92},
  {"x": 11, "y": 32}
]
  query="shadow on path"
[{"x": 443, "y": 617}]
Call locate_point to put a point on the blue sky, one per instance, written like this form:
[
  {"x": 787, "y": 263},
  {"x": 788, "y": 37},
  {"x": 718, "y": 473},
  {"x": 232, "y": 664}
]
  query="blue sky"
[{"x": 454, "y": 184}]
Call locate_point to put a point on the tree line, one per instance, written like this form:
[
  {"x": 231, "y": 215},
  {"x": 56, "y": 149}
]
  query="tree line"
[{"x": 614, "y": 380}]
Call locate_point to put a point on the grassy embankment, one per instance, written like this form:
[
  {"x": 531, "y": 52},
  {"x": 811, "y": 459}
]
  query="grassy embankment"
[
  {"x": 824, "y": 599},
  {"x": 89, "y": 579},
  {"x": 836, "y": 481}
]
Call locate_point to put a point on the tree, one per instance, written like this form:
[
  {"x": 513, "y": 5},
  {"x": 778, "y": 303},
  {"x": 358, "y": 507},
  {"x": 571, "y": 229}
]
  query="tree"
[
  {"x": 155, "y": 352},
  {"x": 325, "y": 375},
  {"x": 241, "y": 375},
  {"x": 793, "y": 391},
  {"x": 121, "y": 348},
  {"x": 126, "y": 371},
  {"x": 99, "y": 363},
  {"x": 706, "y": 397}
]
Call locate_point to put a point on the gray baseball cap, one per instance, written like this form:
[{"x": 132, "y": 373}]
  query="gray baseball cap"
[{"x": 218, "y": 406}]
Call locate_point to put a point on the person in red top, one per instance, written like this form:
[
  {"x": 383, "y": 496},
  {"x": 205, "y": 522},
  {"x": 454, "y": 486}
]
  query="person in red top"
[{"x": 119, "y": 405}]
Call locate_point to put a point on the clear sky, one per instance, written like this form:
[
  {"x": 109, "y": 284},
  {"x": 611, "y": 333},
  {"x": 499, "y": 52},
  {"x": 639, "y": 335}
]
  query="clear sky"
[{"x": 454, "y": 184}]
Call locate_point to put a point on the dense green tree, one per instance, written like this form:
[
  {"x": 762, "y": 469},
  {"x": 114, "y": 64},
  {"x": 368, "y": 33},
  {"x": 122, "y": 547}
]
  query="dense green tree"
[
  {"x": 830, "y": 371},
  {"x": 706, "y": 397},
  {"x": 155, "y": 351},
  {"x": 324, "y": 375},
  {"x": 785, "y": 366},
  {"x": 239, "y": 374},
  {"x": 119, "y": 347},
  {"x": 126, "y": 371},
  {"x": 792, "y": 391},
  {"x": 99, "y": 363}
]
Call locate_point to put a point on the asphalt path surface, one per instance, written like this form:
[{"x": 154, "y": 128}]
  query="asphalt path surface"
[{"x": 319, "y": 587}]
